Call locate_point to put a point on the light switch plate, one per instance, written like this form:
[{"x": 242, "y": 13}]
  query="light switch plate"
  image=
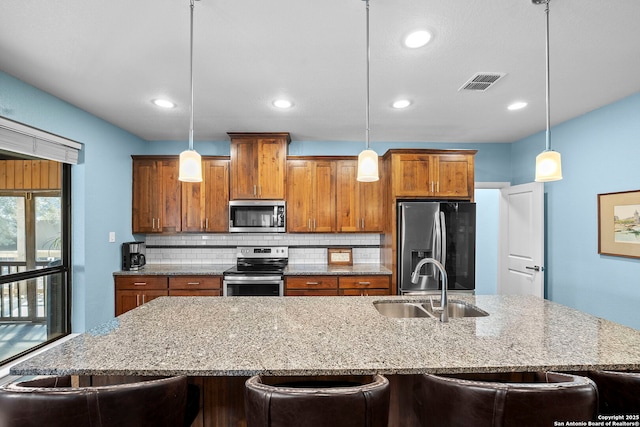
[{"x": 112, "y": 236}]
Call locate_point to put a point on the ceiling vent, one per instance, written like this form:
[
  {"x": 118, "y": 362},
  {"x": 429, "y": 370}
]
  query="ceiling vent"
[{"x": 482, "y": 81}]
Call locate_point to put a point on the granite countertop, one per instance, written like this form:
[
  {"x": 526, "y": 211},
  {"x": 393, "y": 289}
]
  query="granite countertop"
[
  {"x": 290, "y": 270},
  {"x": 335, "y": 270},
  {"x": 243, "y": 336}
]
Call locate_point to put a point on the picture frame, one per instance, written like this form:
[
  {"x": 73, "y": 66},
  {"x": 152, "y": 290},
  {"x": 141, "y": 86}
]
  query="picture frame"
[
  {"x": 619, "y": 224},
  {"x": 339, "y": 256}
]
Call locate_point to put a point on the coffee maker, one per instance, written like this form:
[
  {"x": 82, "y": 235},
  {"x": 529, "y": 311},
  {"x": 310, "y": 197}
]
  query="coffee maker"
[{"x": 133, "y": 256}]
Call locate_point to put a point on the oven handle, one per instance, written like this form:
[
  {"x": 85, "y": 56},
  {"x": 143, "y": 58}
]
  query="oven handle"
[{"x": 268, "y": 280}]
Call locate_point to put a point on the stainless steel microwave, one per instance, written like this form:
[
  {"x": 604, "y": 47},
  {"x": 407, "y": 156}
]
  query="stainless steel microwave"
[{"x": 257, "y": 216}]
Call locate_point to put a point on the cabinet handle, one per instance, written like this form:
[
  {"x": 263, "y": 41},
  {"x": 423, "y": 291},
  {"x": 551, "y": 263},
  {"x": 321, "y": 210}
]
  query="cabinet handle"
[
  {"x": 143, "y": 301},
  {"x": 314, "y": 223},
  {"x": 364, "y": 283},
  {"x": 193, "y": 283},
  {"x": 363, "y": 223},
  {"x": 254, "y": 190},
  {"x": 153, "y": 226},
  {"x": 159, "y": 227},
  {"x": 313, "y": 283},
  {"x": 139, "y": 283},
  {"x": 309, "y": 224},
  {"x": 137, "y": 300},
  {"x": 206, "y": 223}
]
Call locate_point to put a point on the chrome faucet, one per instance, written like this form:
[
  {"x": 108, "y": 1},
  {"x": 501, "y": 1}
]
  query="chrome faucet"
[{"x": 444, "y": 306}]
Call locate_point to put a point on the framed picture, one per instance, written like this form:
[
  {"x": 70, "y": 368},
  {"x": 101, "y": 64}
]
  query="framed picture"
[
  {"x": 339, "y": 256},
  {"x": 619, "y": 224}
]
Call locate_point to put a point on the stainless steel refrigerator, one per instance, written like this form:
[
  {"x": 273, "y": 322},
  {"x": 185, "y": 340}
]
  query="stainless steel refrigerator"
[{"x": 445, "y": 231}]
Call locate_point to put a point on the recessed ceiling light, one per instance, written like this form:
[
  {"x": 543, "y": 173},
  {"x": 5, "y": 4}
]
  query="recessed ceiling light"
[
  {"x": 517, "y": 105},
  {"x": 282, "y": 103},
  {"x": 417, "y": 39},
  {"x": 401, "y": 103},
  {"x": 163, "y": 103}
]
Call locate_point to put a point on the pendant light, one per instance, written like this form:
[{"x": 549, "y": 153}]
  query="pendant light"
[
  {"x": 548, "y": 163},
  {"x": 367, "y": 159},
  {"x": 190, "y": 160}
]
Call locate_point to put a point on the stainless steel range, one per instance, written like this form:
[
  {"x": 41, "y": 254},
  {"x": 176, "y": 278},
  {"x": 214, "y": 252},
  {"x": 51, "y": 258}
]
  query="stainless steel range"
[{"x": 259, "y": 271}]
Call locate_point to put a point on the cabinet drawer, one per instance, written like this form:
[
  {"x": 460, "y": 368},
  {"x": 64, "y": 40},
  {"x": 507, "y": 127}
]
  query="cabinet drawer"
[
  {"x": 363, "y": 282},
  {"x": 364, "y": 292},
  {"x": 194, "y": 282},
  {"x": 195, "y": 292},
  {"x": 141, "y": 282},
  {"x": 311, "y": 292},
  {"x": 312, "y": 282}
]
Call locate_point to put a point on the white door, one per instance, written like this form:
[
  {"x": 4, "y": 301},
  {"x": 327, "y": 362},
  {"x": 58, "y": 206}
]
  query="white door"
[{"x": 520, "y": 264}]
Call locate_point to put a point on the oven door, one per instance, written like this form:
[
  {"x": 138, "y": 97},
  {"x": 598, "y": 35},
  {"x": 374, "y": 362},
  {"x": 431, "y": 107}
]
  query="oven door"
[{"x": 268, "y": 286}]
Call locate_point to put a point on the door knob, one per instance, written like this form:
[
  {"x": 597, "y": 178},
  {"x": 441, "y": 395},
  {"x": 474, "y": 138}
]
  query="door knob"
[{"x": 535, "y": 268}]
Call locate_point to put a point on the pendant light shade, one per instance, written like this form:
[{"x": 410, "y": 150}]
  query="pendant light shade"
[
  {"x": 190, "y": 166},
  {"x": 368, "y": 159},
  {"x": 548, "y": 166},
  {"x": 368, "y": 166},
  {"x": 548, "y": 163},
  {"x": 190, "y": 169}
]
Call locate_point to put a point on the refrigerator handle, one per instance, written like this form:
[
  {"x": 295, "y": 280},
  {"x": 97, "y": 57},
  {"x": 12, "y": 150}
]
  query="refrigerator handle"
[
  {"x": 437, "y": 238},
  {"x": 443, "y": 240}
]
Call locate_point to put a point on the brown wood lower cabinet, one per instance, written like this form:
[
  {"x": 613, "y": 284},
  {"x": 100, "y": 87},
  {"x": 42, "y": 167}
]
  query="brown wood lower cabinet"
[
  {"x": 133, "y": 291},
  {"x": 337, "y": 285}
]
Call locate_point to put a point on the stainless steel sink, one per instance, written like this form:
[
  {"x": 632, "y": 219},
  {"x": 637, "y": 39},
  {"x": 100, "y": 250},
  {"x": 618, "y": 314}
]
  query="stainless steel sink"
[
  {"x": 456, "y": 309},
  {"x": 401, "y": 309}
]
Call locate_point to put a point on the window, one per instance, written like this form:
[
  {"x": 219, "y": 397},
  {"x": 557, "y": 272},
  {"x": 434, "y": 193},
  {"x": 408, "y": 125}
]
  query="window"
[{"x": 34, "y": 254}]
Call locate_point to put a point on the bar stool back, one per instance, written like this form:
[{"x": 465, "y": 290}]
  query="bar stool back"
[
  {"x": 619, "y": 392},
  {"x": 323, "y": 403},
  {"x": 488, "y": 401},
  {"x": 52, "y": 402}
]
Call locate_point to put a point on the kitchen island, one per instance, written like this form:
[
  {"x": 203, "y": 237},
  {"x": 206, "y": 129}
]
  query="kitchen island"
[{"x": 285, "y": 336}]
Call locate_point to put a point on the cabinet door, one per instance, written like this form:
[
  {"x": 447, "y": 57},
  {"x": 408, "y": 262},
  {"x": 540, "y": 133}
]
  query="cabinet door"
[
  {"x": 323, "y": 193},
  {"x": 129, "y": 299},
  {"x": 193, "y": 201},
  {"x": 216, "y": 212},
  {"x": 244, "y": 168},
  {"x": 299, "y": 179},
  {"x": 156, "y": 196},
  {"x": 146, "y": 201},
  {"x": 358, "y": 204},
  {"x": 453, "y": 175},
  {"x": 347, "y": 197},
  {"x": 272, "y": 158},
  {"x": 371, "y": 206},
  {"x": 170, "y": 196},
  {"x": 412, "y": 175}
]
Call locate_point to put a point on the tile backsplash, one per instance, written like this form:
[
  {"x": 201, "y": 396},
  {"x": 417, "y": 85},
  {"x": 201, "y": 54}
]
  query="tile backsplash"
[{"x": 221, "y": 248}]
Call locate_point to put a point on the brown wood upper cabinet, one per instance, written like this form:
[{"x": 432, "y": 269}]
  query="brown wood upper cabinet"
[
  {"x": 205, "y": 205},
  {"x": 434, "y": 174},
  {"x": 156, "y": 195},
  {"x": 311, "y": 196},
  {"x": 358, "y": 204},
  {"x": 258, "y": 165}
]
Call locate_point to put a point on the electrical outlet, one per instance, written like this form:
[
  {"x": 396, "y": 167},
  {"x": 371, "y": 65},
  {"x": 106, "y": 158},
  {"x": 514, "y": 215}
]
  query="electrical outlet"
[{"x": 112, "y": 236}]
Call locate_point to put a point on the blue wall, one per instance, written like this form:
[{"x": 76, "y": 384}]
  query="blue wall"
[
  {"x": 600, "y": 154},
  {"x": 101, "y": 192}
]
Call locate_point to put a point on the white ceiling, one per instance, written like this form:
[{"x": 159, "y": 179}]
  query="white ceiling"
[{"x": 112, "y": 57}]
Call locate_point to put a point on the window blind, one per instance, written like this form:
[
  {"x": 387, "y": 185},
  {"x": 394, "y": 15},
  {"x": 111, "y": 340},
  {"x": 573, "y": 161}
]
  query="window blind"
[{"x": 19, "y": 138}]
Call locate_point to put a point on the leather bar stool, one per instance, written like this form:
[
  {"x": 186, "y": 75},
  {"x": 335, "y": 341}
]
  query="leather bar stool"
[
  {"x": 310, "y": 403},
  {"x": 51, "y": 401},
  {"x": 488, "y": 400},
  {"x": 619, "y": 392}
]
